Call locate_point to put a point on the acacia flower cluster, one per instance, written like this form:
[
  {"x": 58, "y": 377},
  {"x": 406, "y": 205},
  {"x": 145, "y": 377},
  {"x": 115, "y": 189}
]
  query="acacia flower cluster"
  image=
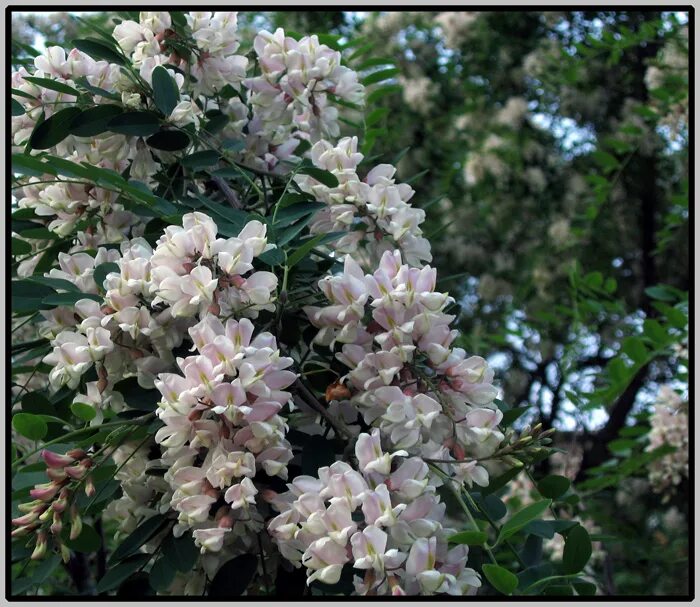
[
  {"x": 374, "y": 211},
  {"x": 669, "y": 426},
  {"x": 222, "y": 424},
  {"x": 190, "y": 316},
  {"x": 392, "y": 333},
  {"x": 383, "y": 519}
]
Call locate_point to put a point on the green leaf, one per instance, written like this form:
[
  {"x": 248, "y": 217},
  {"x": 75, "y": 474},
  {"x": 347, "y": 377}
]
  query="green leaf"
[
  {"x": 135, "y": 396},
  {"x": 29, "y": 425},
  {"x": 499, "y": 481},
  {"x": 376, "y": 115},
  {"x": 292, "y": 213},
  {"x": 470, "y": 538},
  {"x": 124, "y": 570},
  {"x": 512, "y": 414},
  {"x": 273, "y": 257},
  {"x": 48, "y": 83},
  {"x": 325, "y": 177},
  {"x": 383, "y": 91},
  {"x": 69, "y": 299},
  {"x": 20, "y": 247},
  {"x": 634, "y": 348},
  {"x": 23, "y": 164},
  {"x": 233, "y": 577},
  {"x": 655, "y": 331},
  {"x": 181, "y": 552},
  {"x": 522, "y": 518},
  {"x": 577, "y": 550},
  {"x": 99, "y": 50},
  {"x": 380, "y": 76},
  {"x": 233, "y": 145},
  {"x": 162, "y": 574},
  {"x": 200, "y": 160},
  {"x": 166, "y": 95},
  {"x": 54, "y": 283},
  {"x": 169, "y": 141},
  {"x": 53, "y": 130},
  {"x": 101, "y": 271},
  {"x": 620, "y": 445},
  {"x": 17, "y": 109},
  {"x": 547, "y": 529},
  {"x": 584, "y": 588},
  {"x": 83, "y": 411},
  {"x": 94, "y": 121},
  {"x": 607, "y": 161},
  {"x": 234, "y": 216},
  {"x": 501, "y": 579},
  {"x": 661, "y": 292},
  {"x": 553, "y": 486},
  {"x": 88, "y": 540},
  {"x": 376, "y": 61},
  {"x": 138, "y": 537},
  {"x": 304, "y": 250},
  {"x": 137, "y": 124}
]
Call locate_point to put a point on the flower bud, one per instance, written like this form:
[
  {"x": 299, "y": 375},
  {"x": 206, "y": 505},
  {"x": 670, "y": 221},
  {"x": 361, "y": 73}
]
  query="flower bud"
[
  {"x": 45, "y": 492},
  {"x": 57, "y": 524},
  {"x": 78, "y": 471},
  {"x": 27, "y": 519},
  {"x": 47, "y": 514},
  {"x": 76, "y": 523},
  {"x": 56, "y": 474},
  {"x": 76, "y": 453},
  {"x": 65, "y": 553},
  {"x": 40, "y": 548},
  {"x": 22, "y": 531},
  {"x": 56, "y": 460},
  {"x": 89, "y": 487}
]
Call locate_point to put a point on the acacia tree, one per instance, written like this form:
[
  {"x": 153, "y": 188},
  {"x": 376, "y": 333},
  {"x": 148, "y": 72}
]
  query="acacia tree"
[{"x": 232, "y": 371}]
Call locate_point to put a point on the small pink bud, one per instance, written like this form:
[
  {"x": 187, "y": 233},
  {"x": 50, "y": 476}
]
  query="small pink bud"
[
  {"x": 22, "y": 531},
  {"x": 56, "y": 474},
  {"x": 226, "y": 522},
  {"x": 89, "y": 487},
  {"x": 76, "y": 453},
  {"x": 56, "y": 525},
  {"x": 56, "y": 460},
  {"x": 76, "y": 472},
  {"x": 45, "y": 492},
  {"x": 26, "y": 519},
  {"x": 269, "y": 495}
]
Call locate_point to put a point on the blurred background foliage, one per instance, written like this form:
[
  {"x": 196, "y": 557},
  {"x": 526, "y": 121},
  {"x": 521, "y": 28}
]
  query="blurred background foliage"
[{"x": 550, "y": 151}]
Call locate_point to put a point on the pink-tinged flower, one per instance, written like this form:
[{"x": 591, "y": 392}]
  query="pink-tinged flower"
[
  {"x": 369, "y": 550},
  {"x": 326, "y": 559},
  {"x": 242, "y": 494},
  {"x": 56, "y": 460},
  {"x": 45, "y": 492},
  {"x": 194, "y": 509},
  {"x": 228, "y": 395},
  {"x": 421, "y": 565},
  {"x": 377, "y": 508},
  {"x": 338, "y": 522},
  {"x": 410, "y": 479},
  {"x": 210, "y": 540},
  {"x": 371, "y": 458},
  {"x": 226, "y": 466},
  {"x": 471, "y": 472}
]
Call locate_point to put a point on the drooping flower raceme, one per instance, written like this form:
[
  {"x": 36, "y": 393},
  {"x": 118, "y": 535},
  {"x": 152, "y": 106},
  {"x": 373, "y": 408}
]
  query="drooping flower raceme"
[
  {"x": 391, "y": 331},
  {"x": 387, "y": 524}
]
